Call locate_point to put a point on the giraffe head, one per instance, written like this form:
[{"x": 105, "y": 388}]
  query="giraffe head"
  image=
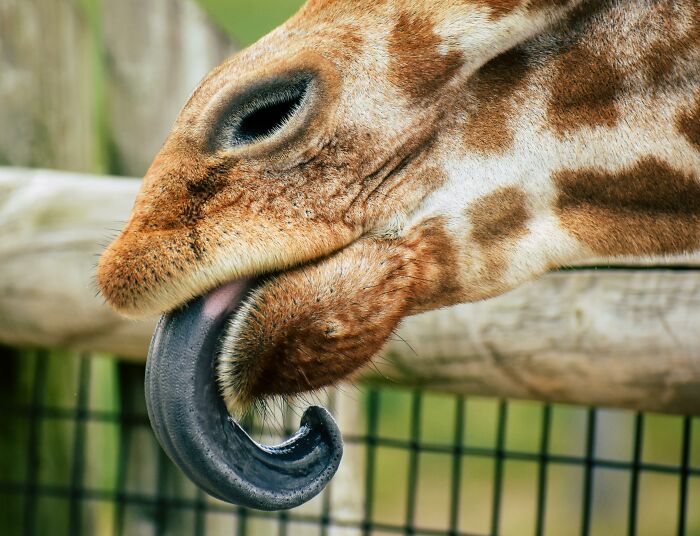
[
  {"x": 309, "y": 161},
  {"x": 361, "y": 163}
]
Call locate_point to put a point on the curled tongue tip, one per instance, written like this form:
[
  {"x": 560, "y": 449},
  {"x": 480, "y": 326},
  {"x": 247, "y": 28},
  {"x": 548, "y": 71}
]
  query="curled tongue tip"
[{"x": 194, "y": 428}]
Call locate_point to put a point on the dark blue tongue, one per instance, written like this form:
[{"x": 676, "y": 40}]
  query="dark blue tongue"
[{"x": 194, "y": 428}]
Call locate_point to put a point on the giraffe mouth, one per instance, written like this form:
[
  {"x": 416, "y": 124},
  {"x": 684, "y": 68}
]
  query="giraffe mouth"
[
  {"x": 285, "y": 333},
  {"x": 195, "y": 429}
]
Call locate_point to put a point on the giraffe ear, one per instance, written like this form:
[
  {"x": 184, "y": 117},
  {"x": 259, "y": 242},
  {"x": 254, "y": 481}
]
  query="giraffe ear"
[{"x": 192, "y": 425}]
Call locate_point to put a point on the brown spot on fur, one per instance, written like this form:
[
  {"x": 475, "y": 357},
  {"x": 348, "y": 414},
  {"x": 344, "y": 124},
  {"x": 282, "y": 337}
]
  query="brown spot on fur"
[
  {"x": 499, "y": 8},
  {"x": 499, "y": 216},
  {"x": 648, "y": 208},
  {"x": 583, "y": 92},
  {"x": 498, "y": 219},
  {"x": 352, "y": 43},
  {"x": 689, "y": 124},
  {"x": 415, "y": 63},
  {"x": 674, "y": 44},
  {"x": 494, "y": 87}
]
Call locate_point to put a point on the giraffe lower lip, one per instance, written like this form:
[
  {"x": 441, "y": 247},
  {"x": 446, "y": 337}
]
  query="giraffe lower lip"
[{"x": 192, "y": 424}]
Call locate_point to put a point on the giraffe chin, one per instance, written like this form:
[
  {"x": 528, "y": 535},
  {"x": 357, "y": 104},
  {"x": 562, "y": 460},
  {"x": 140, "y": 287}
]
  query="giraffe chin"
[
  {"x": 194, "y": 428},
  {"x": 310, "y": 327}
]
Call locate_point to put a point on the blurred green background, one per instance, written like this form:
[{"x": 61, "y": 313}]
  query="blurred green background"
[
  {"x": 247, "y": 20},
  {"x": 115, "y": 387}
]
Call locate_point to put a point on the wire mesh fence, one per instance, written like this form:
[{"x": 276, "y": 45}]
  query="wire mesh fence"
[{"x": 426, "y": 464}]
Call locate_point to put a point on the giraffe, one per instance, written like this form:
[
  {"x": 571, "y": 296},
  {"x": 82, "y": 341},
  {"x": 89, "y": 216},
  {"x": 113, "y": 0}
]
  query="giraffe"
[{"x": 370, "y": 160}]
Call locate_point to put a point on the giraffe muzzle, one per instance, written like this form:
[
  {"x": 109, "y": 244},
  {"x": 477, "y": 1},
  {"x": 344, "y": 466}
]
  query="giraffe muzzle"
[{"x": 194, "y": 428}]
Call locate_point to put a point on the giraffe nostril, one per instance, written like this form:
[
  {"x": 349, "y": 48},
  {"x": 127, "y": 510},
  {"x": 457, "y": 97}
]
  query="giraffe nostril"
[
  {"x": 262, "y": 111},
  {"x": 268, "y": 119}
]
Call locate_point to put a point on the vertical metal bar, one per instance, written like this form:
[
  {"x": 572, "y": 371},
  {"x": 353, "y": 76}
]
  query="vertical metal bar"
[
  {"x": 74, "y": 520},
  {"x": 199, "y": 514},
  {"x": 242, "y": 525},
  {"x": 588, "y": 478},
  {"x": 283, "y": 523},
  {"x": 498, "y": 468},
  {"x": 326, "y": 512},
  {"x": 326, "y": 498},
  {"x": 542, "y": 473},
  {"x": 122, "y": 458},
  {"x": 372, "y": 424},
  {"x": 283, "y": 517},
  {"x": 457, "y": 466},
  {"x": 634, "y": 477},
  {"x": 684, "y": 476},
  {"x": 248, "y": 424},
  {"x": 35, "y": 414},
  {"x": 161, "y": 513},
  {"x": 416, "y": 403}
]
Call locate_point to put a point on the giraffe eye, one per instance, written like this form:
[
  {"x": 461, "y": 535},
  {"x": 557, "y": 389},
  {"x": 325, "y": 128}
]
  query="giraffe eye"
[{"x": 264, "y": 113}]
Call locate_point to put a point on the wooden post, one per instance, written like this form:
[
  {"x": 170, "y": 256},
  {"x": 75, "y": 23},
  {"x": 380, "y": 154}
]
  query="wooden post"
[{"x": 159, "y": 50}]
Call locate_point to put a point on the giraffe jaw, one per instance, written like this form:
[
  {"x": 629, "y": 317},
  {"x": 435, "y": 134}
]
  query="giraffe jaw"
[{"x": 309, "y": 327}]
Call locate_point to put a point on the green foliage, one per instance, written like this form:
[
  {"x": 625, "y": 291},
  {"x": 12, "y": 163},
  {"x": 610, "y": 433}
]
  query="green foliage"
[{"x": 248, "y": 20}]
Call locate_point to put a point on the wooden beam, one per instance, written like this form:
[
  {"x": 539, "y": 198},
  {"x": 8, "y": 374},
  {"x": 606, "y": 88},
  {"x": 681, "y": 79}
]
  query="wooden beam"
[
  {"x": 53, "y": 226},
  {"x": 623, "y": 337}
]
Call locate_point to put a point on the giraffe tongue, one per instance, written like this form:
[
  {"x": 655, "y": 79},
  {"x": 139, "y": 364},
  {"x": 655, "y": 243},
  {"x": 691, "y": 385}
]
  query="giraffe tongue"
[{"x": 192, "y": 425}]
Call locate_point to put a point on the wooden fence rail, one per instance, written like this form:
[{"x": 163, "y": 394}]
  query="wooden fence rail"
[{"x": 625, "y": 337}]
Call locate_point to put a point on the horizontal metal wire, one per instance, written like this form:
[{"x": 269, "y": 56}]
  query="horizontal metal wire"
[
  {"x": 387, "y": 442},
  {"x": 64, "y": 492}
]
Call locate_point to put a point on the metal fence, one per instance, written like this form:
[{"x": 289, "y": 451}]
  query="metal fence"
[{"x": 430, "y": 465}]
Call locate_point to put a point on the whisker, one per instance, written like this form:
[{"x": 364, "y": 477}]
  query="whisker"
[{"x": 405, "y": 342}]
